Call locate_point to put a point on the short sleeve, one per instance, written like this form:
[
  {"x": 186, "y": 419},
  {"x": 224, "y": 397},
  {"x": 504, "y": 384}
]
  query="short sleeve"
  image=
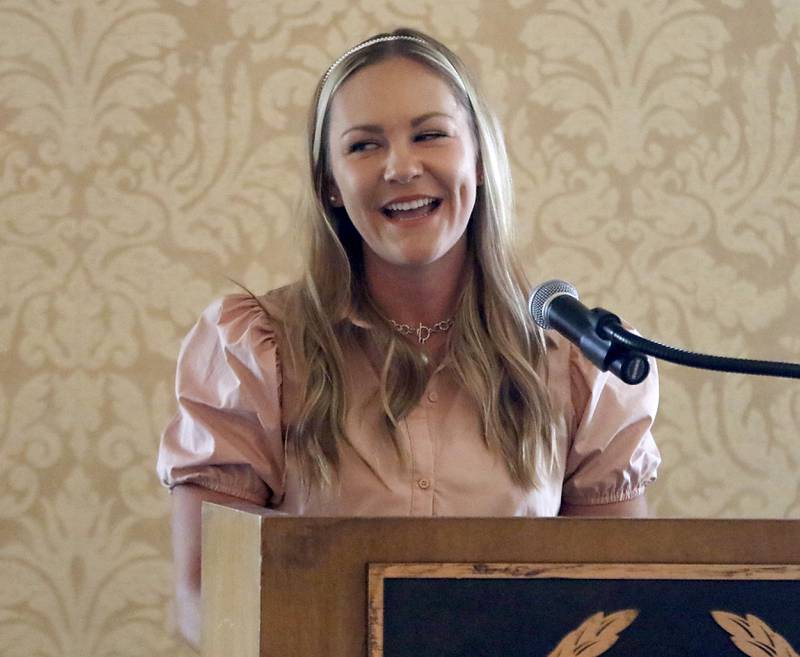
[
  {"x": 612, "y": 455},
  {"x": 227, "y": 435}
]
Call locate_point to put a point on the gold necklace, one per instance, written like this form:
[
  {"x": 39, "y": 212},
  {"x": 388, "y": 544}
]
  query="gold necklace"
[{"x": 422, "y": 331}]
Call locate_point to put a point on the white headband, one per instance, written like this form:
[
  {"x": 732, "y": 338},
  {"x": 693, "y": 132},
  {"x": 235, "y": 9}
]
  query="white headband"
[{"x": 366, "y": 44}]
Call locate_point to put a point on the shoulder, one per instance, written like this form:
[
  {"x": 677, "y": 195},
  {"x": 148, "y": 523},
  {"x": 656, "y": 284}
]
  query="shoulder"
[
  {"x": 240, "y": 323},
  {"x": 575, "y": 382},
  {"x": 235, "y": 315},
  {"x": 562, "y": 358}
]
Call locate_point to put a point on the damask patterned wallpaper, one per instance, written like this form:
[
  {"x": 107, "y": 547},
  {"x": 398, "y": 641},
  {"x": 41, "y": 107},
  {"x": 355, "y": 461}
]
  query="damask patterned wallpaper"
[{"x": 149, "y": 150}]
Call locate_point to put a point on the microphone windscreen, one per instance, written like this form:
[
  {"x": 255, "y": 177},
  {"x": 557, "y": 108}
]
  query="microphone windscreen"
[{"x": 542, "y": 296}]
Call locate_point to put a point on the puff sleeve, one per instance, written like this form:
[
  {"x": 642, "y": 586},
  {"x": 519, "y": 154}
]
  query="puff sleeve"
[
  {"x": 227, "y": 435},
  {"x": 611, "y": 455}
]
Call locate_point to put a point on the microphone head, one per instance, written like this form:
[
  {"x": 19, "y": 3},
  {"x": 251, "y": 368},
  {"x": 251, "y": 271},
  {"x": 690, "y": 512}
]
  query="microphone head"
[{"x": 540, "y": 299}]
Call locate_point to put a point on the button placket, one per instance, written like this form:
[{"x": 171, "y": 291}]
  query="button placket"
[{"x": 418, "y": 425}]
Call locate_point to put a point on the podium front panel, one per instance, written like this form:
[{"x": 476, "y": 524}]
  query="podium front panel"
[{"x": 280, "y": 586}]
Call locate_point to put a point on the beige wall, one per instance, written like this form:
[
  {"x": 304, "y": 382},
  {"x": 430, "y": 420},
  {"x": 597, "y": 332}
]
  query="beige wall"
[{"x": 148, "y": 150}]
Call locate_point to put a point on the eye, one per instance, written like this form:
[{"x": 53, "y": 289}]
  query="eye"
[
  {"x": 430, "y": 135},
  {"x": 361, "y": 146}
]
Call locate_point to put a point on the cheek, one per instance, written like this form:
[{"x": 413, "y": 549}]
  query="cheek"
[
  {"x": 468, "y": 182},
  {"x": 465, "y": 163},
  {"x": 351, "y": 184}
]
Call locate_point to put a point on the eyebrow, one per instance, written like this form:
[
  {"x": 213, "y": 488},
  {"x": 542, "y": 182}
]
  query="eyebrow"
[{"x": 374, "y": 128}]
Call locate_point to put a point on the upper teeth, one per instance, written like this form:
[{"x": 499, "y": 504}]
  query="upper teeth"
[{"x": 410, "y": 205}]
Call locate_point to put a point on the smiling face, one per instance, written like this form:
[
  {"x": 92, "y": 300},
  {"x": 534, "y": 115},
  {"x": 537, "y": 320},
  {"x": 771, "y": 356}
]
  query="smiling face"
[{"x": 404, "y": 164}]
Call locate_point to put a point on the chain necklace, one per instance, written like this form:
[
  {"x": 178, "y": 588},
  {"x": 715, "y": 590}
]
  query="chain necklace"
[{"x": 422, "y": 331}]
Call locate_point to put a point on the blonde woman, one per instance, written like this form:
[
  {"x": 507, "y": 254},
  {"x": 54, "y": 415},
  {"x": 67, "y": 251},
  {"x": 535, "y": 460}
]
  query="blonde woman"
[{"x": 402, "y": 375}]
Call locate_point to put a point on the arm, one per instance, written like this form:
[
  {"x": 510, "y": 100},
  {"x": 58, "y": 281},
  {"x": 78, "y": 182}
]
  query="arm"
[
  {"x": 187, "y": 502},
  {"x": 612, "y": 454},
  {"x": 633, "y": 508},
  {"x": 226, "y": 435}
]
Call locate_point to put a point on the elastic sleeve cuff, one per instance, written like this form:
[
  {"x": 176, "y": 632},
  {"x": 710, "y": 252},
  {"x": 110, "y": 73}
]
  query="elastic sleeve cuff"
[
  {"x": 236, "y": 480},
  {"x": 608, "y": 498}
]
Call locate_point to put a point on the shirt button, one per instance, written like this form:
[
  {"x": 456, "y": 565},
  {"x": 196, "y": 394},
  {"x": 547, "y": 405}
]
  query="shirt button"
[
  {"x": 424, "y": 483},
  {"x": 433, "y": 397}
]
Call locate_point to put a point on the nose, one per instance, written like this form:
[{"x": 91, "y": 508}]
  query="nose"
[{"x": 402, "y": 165}]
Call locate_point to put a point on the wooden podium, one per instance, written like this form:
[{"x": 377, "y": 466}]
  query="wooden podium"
[{"x": 369, "y": 587}]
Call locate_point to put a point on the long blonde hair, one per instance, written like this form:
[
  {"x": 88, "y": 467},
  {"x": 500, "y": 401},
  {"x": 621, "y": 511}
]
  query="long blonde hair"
[{"x": 494, "y": 349}]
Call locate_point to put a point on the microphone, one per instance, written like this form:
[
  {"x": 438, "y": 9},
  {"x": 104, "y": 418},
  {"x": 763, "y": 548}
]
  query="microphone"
[{"x": 555, "y": 305}]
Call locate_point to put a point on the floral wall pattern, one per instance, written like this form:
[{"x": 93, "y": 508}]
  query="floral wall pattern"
[{"x": 150, "y": 151}]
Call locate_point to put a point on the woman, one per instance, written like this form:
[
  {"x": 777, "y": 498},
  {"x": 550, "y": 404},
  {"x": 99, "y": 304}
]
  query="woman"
[{"x": 403, "y": 375}]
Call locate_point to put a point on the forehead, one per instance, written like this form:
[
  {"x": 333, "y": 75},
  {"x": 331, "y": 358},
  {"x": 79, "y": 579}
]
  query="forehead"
[{"x": 396, "y": 89}]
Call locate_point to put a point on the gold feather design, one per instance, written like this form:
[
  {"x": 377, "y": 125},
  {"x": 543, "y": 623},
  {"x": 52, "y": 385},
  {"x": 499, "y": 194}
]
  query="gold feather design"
[
  {"x": 595, "y": 635},
  {"x": 753, "y": 636}
]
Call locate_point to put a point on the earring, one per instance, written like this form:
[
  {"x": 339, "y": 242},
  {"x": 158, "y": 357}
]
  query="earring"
[{"x": 333, "y": 198}]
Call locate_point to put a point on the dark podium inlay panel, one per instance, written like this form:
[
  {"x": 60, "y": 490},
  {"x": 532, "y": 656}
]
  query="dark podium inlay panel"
[{"x": 541, "y": 616}]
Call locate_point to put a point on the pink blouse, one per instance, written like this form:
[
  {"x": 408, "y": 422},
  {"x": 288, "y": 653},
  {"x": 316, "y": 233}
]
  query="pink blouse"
[{"x": 234, "y": 393}]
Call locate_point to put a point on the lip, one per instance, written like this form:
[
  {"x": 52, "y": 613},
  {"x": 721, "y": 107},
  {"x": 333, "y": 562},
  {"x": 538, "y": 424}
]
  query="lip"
[
  {"x": 408, "y": 198},
  {"x": 410, "y": 223}
]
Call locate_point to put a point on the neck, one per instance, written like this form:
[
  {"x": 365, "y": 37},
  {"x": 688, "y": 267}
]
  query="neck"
[{"x": 410, "y": 295}]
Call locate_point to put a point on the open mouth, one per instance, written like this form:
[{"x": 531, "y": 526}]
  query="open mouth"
[{"x": 411, "y": 209}]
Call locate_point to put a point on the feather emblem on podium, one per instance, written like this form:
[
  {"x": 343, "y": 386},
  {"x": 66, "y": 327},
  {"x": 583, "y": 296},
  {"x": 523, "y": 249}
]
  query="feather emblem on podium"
[
  {"x": 753, "y": 636},
  {"x": 595, "y": 635}
]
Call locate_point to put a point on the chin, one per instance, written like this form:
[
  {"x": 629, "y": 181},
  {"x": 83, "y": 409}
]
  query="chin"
[{"x": 417, "y": 260}]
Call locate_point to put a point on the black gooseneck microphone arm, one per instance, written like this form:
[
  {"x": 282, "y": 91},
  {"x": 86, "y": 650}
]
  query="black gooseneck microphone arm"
[
  {"x": 611, "y": 347},
  {"x": 619, "y": 335}
]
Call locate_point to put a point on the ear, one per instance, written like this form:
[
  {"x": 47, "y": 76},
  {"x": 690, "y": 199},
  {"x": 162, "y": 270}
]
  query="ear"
[
  {"x": 334, "y": 197},
  {"x": 479, "y": 171}
]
